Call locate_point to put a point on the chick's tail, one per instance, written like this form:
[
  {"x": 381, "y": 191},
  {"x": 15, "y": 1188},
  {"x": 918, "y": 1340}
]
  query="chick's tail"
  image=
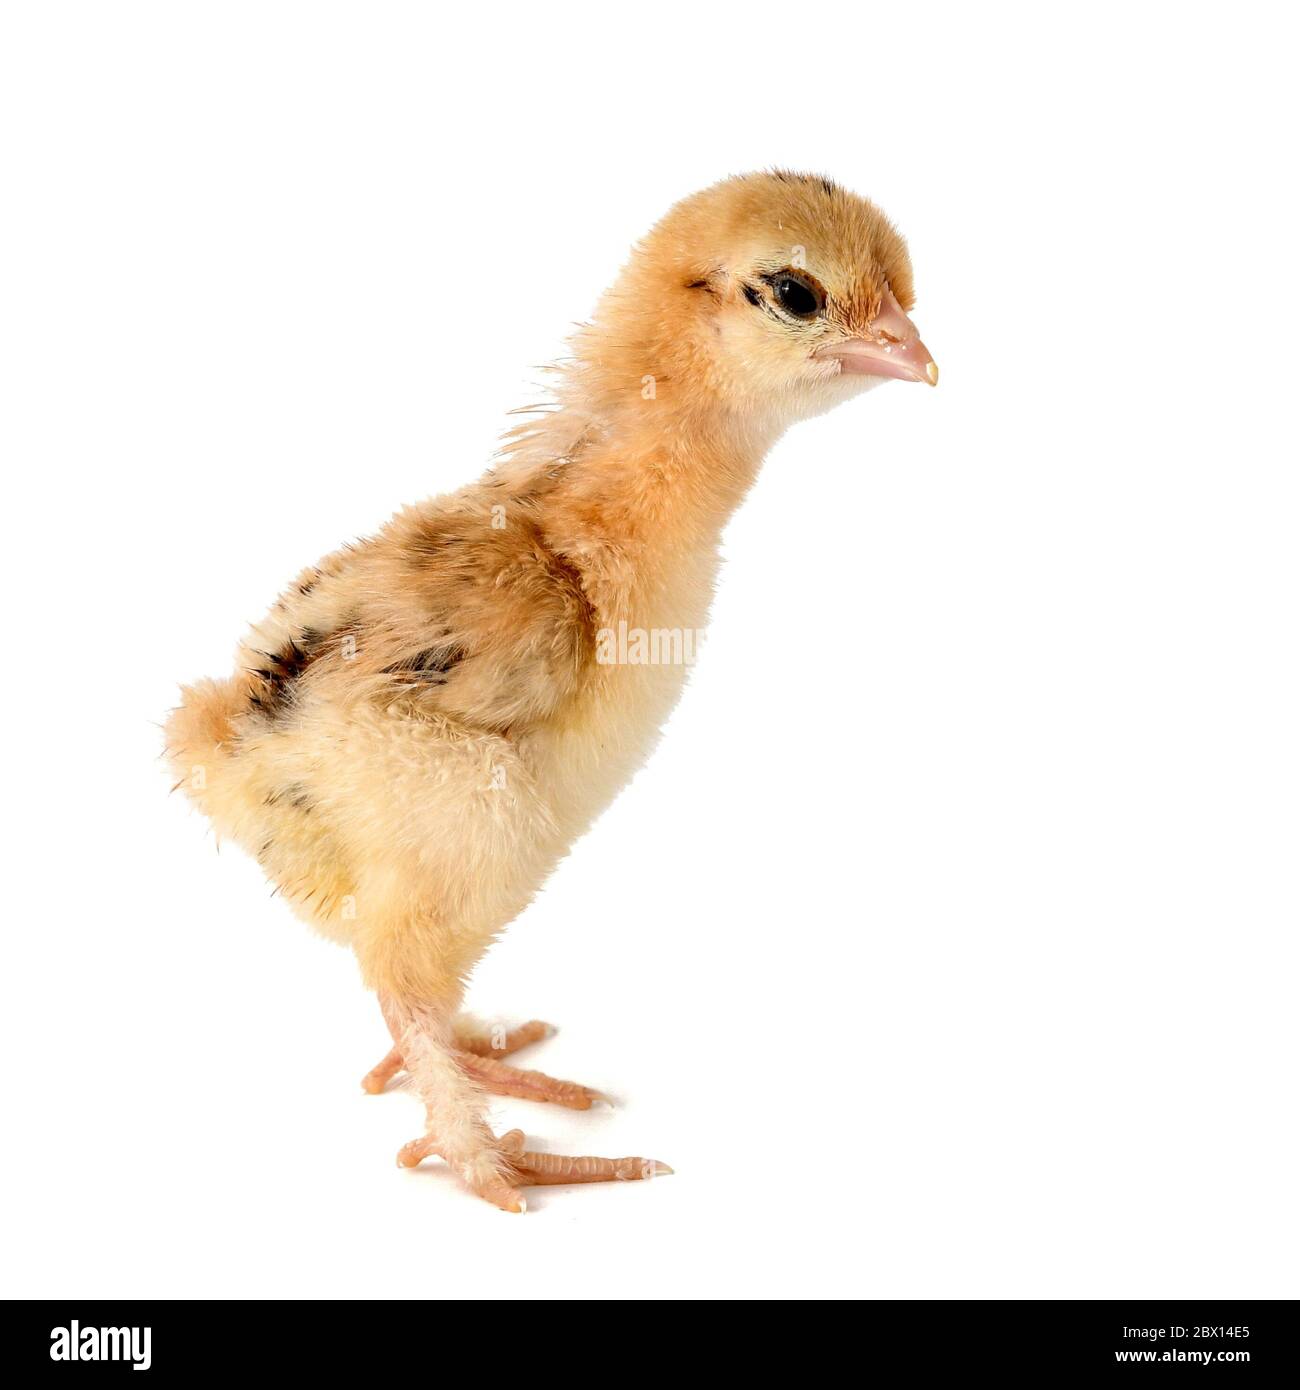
[
  {"x": 214, "y": 761},
  {"x": 245, "y": 780},
  {"x": 201, "y": 736}
]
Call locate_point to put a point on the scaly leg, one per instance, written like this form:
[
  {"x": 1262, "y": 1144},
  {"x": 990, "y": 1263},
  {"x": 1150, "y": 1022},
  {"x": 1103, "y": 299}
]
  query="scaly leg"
[{"x": 453, "y": 1104}]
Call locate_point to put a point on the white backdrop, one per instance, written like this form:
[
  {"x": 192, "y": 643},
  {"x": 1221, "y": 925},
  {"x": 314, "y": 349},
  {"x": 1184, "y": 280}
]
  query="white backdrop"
[{"x": 976, "y": 979}]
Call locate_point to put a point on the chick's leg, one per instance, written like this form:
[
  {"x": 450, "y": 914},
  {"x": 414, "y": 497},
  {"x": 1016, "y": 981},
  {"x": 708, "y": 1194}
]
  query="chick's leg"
[{"x": 453, "y": 1104}]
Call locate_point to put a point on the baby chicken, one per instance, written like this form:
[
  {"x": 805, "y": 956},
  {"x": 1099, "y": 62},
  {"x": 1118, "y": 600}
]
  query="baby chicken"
[{"x": 426, "y": 721}]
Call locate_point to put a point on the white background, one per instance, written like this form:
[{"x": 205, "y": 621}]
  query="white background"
[{"x": 947, "y": 947}]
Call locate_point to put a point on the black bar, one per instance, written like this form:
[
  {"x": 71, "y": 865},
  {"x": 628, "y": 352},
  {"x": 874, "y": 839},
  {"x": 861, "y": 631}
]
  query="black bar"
[{"x": 1040, "y": 1340}]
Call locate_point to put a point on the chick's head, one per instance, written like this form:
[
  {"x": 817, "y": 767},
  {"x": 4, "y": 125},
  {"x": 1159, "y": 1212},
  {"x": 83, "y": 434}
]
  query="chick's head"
[{"x": 775, "y": 292}]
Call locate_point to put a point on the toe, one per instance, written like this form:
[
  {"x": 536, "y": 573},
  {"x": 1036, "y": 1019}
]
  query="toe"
[
  {"x": 504, "y": 1080},
  {"x": 413, "y": 1154},
  {"x": 379, "y": 1076}
]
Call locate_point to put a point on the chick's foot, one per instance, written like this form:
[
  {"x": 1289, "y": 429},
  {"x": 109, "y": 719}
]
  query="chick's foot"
[
  {"x": 478, "y": 1051},
  {"x": 521, "y": 1167}
]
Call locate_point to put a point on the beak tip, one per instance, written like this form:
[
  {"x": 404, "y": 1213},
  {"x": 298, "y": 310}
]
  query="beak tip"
[{"x": 932, "y": 373}]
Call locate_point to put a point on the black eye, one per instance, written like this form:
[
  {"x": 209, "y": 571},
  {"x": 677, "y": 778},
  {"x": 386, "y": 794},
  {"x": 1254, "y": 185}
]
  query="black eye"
[{"x": 799, "y": 295}]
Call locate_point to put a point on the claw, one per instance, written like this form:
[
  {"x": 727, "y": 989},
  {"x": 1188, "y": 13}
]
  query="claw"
[{"x": 502, "y": 1196}]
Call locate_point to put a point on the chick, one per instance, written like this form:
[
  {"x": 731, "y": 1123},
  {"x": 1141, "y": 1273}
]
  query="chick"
[{"x": 426, "y": 721}]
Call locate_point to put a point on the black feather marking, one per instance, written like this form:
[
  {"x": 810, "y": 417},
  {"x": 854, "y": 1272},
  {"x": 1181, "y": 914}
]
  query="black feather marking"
[
  {"x": 295, "y": 794},
  {"x": 789, "y": 176},
  {"x": 283, "y": 669},
  {"x": 432, "y": 666}
]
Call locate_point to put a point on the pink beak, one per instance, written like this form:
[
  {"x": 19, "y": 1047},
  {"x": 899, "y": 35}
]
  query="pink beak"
[{"x": 891, "y": 348}]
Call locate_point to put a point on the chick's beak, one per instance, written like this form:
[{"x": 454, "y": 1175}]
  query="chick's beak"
[{"x": 891, "y": 347}]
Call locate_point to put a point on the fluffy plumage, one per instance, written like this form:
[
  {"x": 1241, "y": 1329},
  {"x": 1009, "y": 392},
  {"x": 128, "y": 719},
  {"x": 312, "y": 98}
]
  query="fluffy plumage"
[{"x": 420, "y": 727}]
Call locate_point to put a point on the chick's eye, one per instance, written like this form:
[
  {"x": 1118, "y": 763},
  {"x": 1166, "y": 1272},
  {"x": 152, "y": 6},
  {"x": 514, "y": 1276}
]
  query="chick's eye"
[{"x": 798, "y": 296}]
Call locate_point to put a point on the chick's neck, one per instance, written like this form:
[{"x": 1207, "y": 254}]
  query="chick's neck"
[{"x": 658, "y": 464}]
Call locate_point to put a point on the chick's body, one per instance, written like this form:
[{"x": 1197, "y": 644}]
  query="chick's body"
[
  {"x": 423, "y": 723},
  {"x": 420, "y": 728}
]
